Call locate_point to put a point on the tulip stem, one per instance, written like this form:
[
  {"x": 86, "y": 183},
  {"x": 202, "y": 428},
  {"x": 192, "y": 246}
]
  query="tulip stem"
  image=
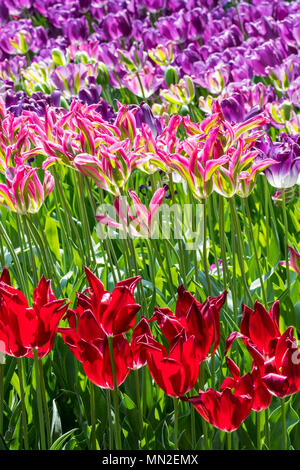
[
  {"x": 283, "y": 422},
  {"x": 45, "y": 248},
  {"x": 266, "y": 193},
  {"x": 267, "y": 431},
  {"x": 211, "y": 233},
  {"x": 24, "y": 418},
  {"x": 19, "y": 227},
  {"x": 110, "y": 435},
  {"x": 44, "y": 400},
  {"x": 85, "y": 221},
  {"x": 204, "y": 422},
  {"x": 229, "y": 443},
  {"x": 141, "y": 85},
  {"x": 180, "y": 242},
  {"x": 39, "y": 400},
  {"x": 29, "y": 241},
  {"x": 222, "y": 240},
  {"x": 258, "y": 433},
  {"x": 167, "y": 274},
  {"x": 255, "y": 251},
  {"x": 237, "y": 230},
  {"x": 286, "y": 241},
  {"x": 193, "y": 426},
  {"x": 204, "y": 250},
  {"x": 93, "y": 416},
  {"x": 138, "y": 399},
  {"x": 175, "y": 401},
  {"x": 69, "y": 219},
  {"x": 115, "y": 395}
]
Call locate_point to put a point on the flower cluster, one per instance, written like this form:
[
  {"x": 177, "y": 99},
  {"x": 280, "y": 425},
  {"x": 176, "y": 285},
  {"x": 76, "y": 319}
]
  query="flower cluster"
[{"x": 192, "y": 334}]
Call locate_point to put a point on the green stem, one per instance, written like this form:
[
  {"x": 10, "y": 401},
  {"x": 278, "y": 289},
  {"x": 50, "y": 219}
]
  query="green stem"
[
  {"x": 255, "y": 251},
  {"x": 24, "y": 417},
  {"x": 93, "y": 416},
  {"x": 267, "y": 430},
  {"x": 283, "y": 422},
  {"x": 237, "y": 230},
  {"x": 110, "y": 431},
  {"x": 115, "y": 396},
  {"x": 29, "y": 241},
  {"x": 258, "y": 433},
  {"x": 204, "y": 422},
  {"x": 204, "y": 250},
  {"x": 286, "y": 240},
  {"x": 167, "y": 274},
  {"x": 141, "y": 85},
  {"x": 138, "y": 399},
  {"x": 193, "y": 427},
  {"x": 175, "y": 401},
  {"x": 39, "y": 400},
  {"x": 45, "y": 402},
  {"x": 211, "y": 234},
  {"x": 85, "y": 221},
  {"x": 69, "y": 218},
  {"x": 229, "y": 441},
  {"x": 222, "y": 241}
]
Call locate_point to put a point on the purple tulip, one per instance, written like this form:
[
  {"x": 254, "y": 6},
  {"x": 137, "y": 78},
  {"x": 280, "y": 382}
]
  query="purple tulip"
[
  {"x": 144, "y": 115},
  {"x": 77, "y": 29},
  {"x": 285, "y": 173}
]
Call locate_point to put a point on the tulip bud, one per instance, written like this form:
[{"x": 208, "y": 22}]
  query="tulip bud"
[
  {"x": 21, "y": 42},
  {"x": 184, "y": 111},
  {"x": 171, "y": 76},
  {"x": 58, "y": 57},
  {"x": 103, "y": 75},
  {"x": 162, "y": 55},
  {"x": 43, "y": 87}
]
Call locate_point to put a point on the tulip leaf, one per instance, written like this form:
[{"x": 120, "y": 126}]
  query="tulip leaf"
[{"x": 61, "y": 441}]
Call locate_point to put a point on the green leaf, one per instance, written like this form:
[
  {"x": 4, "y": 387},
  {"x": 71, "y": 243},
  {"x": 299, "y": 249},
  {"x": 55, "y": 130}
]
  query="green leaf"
[{"x": 59, "y": 443}]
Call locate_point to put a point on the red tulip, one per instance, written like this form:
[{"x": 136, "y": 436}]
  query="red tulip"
[
  {"x": 23, "y": 328},
  {"x": 96, "y": 361},
  {"x": 261, "y": 396},
  {"x": 175, "y": 372},
  {"x": 226, "y": 410},
  {"x": 140, "y": 331},
  {"x": 261, "y": 327},
  {"x": 114, "y": 312},
  {"x": 89, "y": 344},
  {"x": 196, "y": 319},
  {"x": 283, "y": 371}
]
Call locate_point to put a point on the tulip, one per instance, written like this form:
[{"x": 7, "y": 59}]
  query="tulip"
[
  {"x": 294, "y": 260},
  {"x": 284, "y": 172},
  {"x": 261, "y": 396},
  {"x": 23, "y": 191},
  {"x": 162, "y": 54},
  {"x": 260, "y": 327},
  {"x": 283, "y": 372},
  {"x": 115, "y": 313},
  {"x": 140, "y": 225},
  {"x": 226, "y": 410},
  {"x": 175, "y": 372},
  {"x": 145, "y": 82},
  {"x": 180, "y": 93},
  {"x": 23, "y": 328},
  {"x": 140, "y": 332},
  {"x": 194, "y": 319},
  {"x": 89, "y": 344}
]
